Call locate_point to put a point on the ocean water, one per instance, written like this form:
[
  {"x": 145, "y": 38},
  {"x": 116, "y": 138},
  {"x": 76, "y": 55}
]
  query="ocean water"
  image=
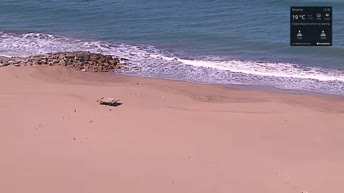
[{"x": 244, "y": 42}]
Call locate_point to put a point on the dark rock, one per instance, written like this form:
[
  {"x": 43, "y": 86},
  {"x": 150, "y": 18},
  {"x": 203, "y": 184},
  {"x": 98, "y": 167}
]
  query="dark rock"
[
  {"x": 4, "y": 64},
  {"x": 78, "y": 60}
]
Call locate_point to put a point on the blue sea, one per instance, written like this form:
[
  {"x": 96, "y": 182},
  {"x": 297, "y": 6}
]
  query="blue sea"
[{"x": 240, "y": 42}]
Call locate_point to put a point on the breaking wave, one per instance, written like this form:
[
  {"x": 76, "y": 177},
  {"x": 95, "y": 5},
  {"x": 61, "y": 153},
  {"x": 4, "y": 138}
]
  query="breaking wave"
[{"x": 146, "y": 60}]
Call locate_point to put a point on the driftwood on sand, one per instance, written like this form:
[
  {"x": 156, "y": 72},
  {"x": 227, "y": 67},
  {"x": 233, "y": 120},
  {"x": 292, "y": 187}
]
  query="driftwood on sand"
[{"x": 109, "y": 101}]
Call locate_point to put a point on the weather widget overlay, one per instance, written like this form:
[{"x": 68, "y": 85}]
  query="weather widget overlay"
[{"x": 311, "y": 26}]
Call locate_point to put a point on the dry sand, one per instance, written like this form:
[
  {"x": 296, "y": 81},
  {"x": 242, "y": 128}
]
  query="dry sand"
[{"x": 166, "y": 137}]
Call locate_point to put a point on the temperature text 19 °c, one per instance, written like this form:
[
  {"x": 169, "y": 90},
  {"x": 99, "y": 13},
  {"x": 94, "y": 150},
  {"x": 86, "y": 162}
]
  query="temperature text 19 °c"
[{"x": 297, "y": 17}]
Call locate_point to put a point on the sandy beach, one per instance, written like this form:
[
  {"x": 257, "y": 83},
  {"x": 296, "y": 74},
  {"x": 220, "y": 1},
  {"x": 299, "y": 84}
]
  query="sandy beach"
[{"x": 166, "y": 137}]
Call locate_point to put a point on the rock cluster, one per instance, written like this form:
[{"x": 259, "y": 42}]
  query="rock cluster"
[{"x": 85, "y": 61}]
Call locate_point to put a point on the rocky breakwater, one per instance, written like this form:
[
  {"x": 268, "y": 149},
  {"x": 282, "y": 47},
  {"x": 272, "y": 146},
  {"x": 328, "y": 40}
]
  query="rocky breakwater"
[{"x": 85, "y": 61}]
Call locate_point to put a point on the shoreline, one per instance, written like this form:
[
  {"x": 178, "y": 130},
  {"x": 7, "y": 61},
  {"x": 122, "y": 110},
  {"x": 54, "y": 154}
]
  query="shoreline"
[
  {"x": 246, "y": 87},
  {"x": 323, "y": 83},
  {"x": 262, "y": 88},
  {"x": 272, "y": 89}
]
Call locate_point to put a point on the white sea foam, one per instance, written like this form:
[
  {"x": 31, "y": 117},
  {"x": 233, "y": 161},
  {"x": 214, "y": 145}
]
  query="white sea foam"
[
  {"x": 149, "y": 61},
  {"x": 285, "y": 70}
]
